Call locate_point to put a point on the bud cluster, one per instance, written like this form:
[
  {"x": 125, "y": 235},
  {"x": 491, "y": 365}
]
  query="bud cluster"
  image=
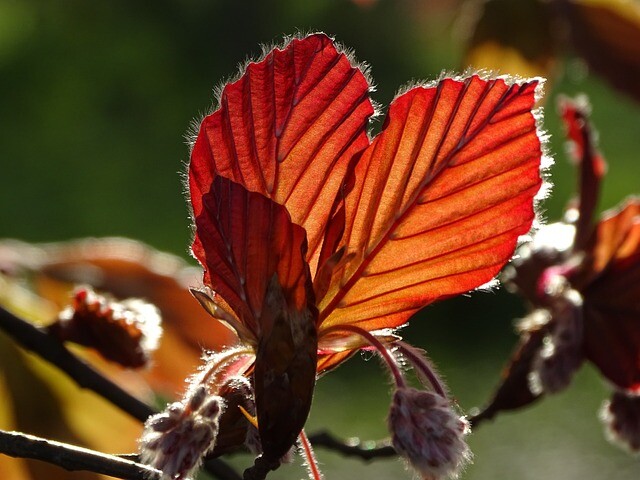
[
  {"x": 621, "y": 417},
  {"x": 176, "y": 440},
  {"x": 561, "y": 355},
  {"x": 427, "y": 432},
  {"x": 125, "y": 332}
]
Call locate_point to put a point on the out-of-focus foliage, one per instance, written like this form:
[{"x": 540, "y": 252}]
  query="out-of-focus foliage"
[{"x": 528, "y": 37}]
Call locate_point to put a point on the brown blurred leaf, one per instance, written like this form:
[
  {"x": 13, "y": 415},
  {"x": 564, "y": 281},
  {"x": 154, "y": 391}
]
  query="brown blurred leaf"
[
  {"x": 127, "y": 268},
  {"x": 38, "y": 399},
  {"x": 607, "y": 34}
]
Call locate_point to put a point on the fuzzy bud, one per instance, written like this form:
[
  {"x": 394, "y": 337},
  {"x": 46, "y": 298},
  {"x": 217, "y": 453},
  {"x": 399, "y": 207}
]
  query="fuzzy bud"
[
  {"x": 177, "y": 440},
  {"x": 562, "y": 352},
  {"x": 621, "y": 417},
  {"x": 428, "y": 433},
  {"x": 126, "y": 332}
]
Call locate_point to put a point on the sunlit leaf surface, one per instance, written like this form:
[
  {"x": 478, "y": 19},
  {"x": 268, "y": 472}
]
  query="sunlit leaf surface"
[
  {"x": 438, "y": 200},
  {"x": 288, "y": 128},
  {"x": 612, "y": 298}
]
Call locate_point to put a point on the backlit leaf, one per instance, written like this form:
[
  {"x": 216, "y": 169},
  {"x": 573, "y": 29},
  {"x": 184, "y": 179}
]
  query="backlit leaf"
[
  {"x": 612, "y": 297},
  {"x": 254, "y": 258},
  {"x": 288, "y": 128},
  {"x": 439, "y": 200},
  {"x": 242, "y": 240}
]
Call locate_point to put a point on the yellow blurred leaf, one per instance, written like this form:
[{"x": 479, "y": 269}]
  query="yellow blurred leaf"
[{"x": 512, "y": 38}]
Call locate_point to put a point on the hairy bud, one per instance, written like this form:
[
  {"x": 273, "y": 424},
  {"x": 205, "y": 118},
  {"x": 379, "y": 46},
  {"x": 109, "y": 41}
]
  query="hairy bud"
[
  {"x": 428, "y": 433},
  {"x": 125, "y": 332},
  {"x": 176, "y": 440},
  {"x": 562, "y": 352},
  {"x": 621, "y": 417}
]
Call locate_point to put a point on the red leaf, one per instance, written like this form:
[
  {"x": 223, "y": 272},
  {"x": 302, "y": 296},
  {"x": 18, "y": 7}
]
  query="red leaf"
[
  {"x": 288, "y": 128},
  {"x": 575, "y": 114},
  {"x": 254, "y": 258},
  {"x": 439, "y": 200},
  {"x": 615, "y": 245},
  {"x": 612, "y": 297},
  {"x": 242, "y": 240}
]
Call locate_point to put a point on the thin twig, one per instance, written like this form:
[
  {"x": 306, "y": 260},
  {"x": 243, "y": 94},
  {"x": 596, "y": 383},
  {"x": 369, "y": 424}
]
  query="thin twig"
[
  {"x": 73, "y": 458},
  {"x": 51, "y": 349},
  {"x": 358, "y": 449}
]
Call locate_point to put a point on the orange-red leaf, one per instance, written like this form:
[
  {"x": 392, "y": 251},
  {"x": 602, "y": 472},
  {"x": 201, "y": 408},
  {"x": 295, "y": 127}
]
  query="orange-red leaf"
[
  {"x": 439, "y": 200},
  {"x": 612, "y": 297},
  {"x": 288, "y": 128},
  {"x": 615, "y": 245},
  {"x": 242, "y": 240}
]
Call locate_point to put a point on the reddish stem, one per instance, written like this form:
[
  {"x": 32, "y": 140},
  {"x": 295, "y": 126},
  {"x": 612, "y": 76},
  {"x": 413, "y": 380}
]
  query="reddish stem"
[
  {"x": 314, "y": 471},
  {"x": 378, "y": 345},
  {"x": 423, "y": 365}
]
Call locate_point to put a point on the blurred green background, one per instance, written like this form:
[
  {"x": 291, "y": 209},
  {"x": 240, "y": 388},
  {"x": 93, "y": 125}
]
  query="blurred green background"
[{"x": 95, "y": 99}]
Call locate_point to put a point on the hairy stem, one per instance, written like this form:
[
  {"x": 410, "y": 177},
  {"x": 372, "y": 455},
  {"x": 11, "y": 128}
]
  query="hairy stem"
[
  {"x": 378, "y": 345},
  {"x": 312, "y": 464},
  {"x": 422, "y": 364}
]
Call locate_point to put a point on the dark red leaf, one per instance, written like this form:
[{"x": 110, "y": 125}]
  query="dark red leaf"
[
  {"x": 242, "y": 240},
  {"x": 289, "y": 129},
  {"x": 612, "y": 297},
  {"x": 254, "y": 258}
]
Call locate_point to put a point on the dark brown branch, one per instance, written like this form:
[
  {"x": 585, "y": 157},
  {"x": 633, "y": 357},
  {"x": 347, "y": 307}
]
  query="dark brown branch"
[
  {"x": 358, "y": 449},
  {"x": 49, "y": 348},
  {"x": 73, "y": 458}
]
